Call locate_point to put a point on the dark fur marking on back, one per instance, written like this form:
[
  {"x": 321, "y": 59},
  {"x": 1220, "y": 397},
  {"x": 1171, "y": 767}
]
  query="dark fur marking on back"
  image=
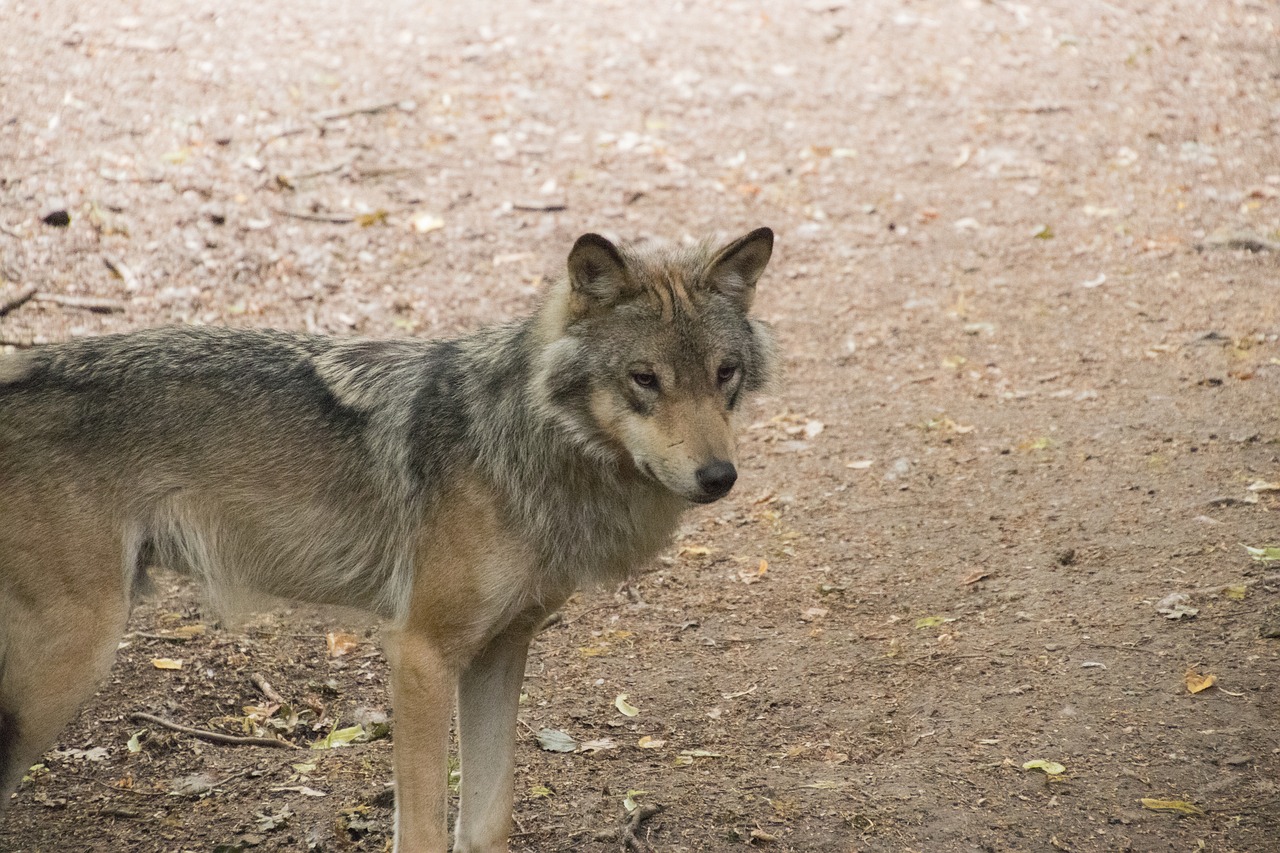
[
  {"x": 438, "y": 414},
  {"x": 95, "y": 377}
]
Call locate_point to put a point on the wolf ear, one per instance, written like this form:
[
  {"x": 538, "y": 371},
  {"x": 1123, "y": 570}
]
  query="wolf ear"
[
  {"x": 597, "y": 272},
  {"x": 739, "y": 265}
]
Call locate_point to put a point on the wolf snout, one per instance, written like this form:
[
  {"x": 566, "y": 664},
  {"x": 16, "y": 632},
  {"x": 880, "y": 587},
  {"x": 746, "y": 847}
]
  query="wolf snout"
[{"x": 716, "y": 479}]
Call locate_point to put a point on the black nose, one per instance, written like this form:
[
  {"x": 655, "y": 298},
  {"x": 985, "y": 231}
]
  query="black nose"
[{"x": 717, "y": 478}]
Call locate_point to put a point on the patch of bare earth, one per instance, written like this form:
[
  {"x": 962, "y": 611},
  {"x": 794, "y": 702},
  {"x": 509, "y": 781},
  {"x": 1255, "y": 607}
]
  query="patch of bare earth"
[{"x": 1028, "y": 286}]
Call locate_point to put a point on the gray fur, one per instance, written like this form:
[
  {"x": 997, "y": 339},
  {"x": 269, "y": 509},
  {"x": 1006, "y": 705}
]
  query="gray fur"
[
  {"x": 267, "y": 463},
  {"x": 366, "y": 435}
]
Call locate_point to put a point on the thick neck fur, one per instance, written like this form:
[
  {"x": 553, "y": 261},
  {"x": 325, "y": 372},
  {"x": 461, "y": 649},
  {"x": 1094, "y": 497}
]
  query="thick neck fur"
[{"x": 588, "y": 513}]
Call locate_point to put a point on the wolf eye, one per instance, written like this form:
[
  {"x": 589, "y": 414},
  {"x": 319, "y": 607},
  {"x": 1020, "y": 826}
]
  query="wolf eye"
[
  {"x": 645, "y": 379},
  {"x": 726, "y": 373}
]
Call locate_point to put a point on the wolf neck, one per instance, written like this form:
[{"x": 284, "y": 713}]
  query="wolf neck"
[{"x": 588, "y": 513}]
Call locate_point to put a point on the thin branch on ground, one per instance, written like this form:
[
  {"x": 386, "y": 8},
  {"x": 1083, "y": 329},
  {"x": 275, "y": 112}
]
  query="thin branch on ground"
[
  {"x": 18, "y": 300},
  {"x": 335, "y": 218},
  {"x": 97, "y": 304},
  {"x": 292, "y": 131},
  {"x": 121, "y": 790},
  {"x": 263, "y": 685},
  {"x": 168, "y": 638},
  {"x": 589, "y": 611},
  {"x": 347, "y": 112},
  {"x": 325, "y": 170},
  {"x": 211, "y": 737}
]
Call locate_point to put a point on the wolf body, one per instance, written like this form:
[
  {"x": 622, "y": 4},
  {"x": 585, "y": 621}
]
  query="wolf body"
[{"x": 460, "y": 490}]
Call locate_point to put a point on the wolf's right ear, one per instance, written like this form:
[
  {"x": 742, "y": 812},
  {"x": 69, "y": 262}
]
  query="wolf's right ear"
[
  {"x": 597, "y": 272},
  {"x": 739, "y": 265}
]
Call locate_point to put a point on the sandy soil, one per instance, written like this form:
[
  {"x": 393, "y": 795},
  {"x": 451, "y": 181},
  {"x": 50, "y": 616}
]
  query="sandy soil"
[{"x": 1028, "y": 285}]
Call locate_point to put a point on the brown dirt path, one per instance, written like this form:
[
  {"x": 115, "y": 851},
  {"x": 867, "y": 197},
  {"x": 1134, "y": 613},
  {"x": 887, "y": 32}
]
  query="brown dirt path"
[{"x": 1013, "y": 275}]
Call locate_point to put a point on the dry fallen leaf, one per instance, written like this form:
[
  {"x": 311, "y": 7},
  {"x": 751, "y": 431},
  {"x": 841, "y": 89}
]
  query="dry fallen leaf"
[
  {"x": 650, "y": 742},
  {"x": 340, "y": 643},
  {"x": 1171, "y": 806},
  {"x": 749, "y": 577},
  {"x": 1196, "y": 682},
  {"x": 1051, "y": 768},
  {"x": 812, "y": 614},
  {"x": 590, "y": 747},
  {"x": 624, "y": 707},
  {"x": 167, "y": 663},
  {"x": 339, "y": 737},
  {"x": 554, "y": 740},
  {"x": 943, "y": 423},
  {"x": 1266, "y": 554}
]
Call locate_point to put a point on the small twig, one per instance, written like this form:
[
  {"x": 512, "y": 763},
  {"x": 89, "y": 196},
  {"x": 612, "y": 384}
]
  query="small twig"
[
  {"x": 121, "y": 269},
  {"x": 589, "y": 611},
  {"x": 1242, "y": 240},
  {"x": 337, "y": 218},
  {"x": 119, "y": 811},
  {"x": 540, "y": 206},
  {"x": 292, "y": 131},
  {"x": 168, "y": 638},
  {"x": 18, "y": 300},
  {"x": 96, "y": 304},
  {"x": 347, "y": 112},
  {"x": 119, "y": 790},
  {"x": 325, "y": 170},
  {"x": 262, "y": 684},
  {"x": 212, "y": 737},
  {"x": 275, "y": 635}
]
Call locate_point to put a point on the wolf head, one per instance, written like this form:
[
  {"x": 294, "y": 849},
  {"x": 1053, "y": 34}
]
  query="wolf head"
[{"x": 650, "y": 351}]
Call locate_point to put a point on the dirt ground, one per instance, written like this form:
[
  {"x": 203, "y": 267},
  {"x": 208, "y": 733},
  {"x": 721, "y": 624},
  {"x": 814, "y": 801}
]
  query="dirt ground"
[{"x": 1027, "y": 282}]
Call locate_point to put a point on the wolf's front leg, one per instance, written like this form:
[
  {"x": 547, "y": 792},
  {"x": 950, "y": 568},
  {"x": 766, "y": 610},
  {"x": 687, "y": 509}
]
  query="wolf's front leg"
[
  {"x": 488, "y": 700},
  {"x": 422, "y": 685}
]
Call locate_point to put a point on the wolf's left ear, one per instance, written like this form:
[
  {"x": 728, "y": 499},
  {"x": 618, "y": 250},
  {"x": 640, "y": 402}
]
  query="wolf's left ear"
[{"x": 739, "y": 265}]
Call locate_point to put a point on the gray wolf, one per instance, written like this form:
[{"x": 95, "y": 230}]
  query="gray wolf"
[{"x": 459, "y": 490}]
